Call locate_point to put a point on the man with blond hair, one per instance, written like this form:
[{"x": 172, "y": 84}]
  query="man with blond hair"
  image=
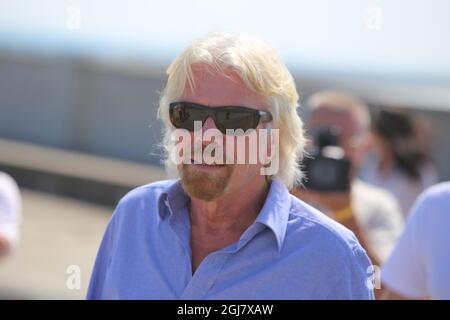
[{"x": 228, "y": 227}]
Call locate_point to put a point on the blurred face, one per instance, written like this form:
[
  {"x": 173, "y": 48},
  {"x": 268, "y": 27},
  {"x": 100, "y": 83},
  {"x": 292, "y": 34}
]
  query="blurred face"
[
  {"x": 211, "y": 181},
  {"x": 350, "y": 139}
]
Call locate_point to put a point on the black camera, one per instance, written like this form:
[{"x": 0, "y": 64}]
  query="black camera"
[{"x": 326, "y": 167}]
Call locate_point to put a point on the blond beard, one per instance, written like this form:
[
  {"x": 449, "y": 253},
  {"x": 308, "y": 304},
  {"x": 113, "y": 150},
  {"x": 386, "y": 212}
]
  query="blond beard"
[{"x": 205, "y": 186}]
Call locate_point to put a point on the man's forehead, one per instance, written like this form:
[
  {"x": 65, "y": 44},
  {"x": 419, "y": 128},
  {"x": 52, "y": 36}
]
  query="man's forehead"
[
  {"x": 343, "y": 120},
  {"x": 221, "y": 87}
]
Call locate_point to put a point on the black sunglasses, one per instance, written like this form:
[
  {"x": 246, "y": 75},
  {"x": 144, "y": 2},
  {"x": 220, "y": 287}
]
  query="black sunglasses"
[{"x": 183, "y": 115}]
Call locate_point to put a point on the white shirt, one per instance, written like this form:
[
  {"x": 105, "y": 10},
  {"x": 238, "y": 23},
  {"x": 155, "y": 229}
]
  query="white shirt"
[
  {"x": 10, "y": 209},
  {"x": 419, "y": 266},
  {"x": 379, "y": 216}
]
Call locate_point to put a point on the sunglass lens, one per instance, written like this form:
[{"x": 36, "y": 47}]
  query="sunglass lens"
[
  {"x": 183, "y": 116},
  {"x": 236, "y": 119}
]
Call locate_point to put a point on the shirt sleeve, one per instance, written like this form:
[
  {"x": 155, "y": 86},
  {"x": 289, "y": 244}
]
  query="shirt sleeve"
[
  {"x": 10, "y": 209},
  {"x": 355, "y": 281},
  {"x": 404, "y": 272},
  {"x": 99, "y": 273}
]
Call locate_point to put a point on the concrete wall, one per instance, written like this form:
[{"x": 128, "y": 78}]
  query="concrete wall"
[{"x": 76, "y": 106}]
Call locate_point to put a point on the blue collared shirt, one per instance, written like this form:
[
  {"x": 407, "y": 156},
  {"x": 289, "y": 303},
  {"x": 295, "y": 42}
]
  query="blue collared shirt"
[{"x": 291, "y": 251}]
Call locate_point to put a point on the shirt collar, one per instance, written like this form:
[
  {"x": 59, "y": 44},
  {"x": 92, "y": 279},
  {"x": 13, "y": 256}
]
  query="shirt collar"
[
  {"x": 173, "y": 199},
  {"x": 274, "y": 213}
]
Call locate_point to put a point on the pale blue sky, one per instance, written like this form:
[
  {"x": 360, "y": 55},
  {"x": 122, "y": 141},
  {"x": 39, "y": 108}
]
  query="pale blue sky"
[{"x": 397, "y": 37}]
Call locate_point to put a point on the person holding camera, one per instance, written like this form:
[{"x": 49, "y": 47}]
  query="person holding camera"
[{"x": 339, "y": 128}]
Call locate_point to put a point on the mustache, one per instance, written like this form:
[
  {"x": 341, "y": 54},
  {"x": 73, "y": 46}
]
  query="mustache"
[{"x": 211, "y": 153}]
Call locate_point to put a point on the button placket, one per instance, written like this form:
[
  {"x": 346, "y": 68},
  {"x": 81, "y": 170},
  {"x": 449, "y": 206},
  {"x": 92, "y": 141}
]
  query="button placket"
[
  {"x": 181, "y": 233},
  {"x": 205, "y": 276}
]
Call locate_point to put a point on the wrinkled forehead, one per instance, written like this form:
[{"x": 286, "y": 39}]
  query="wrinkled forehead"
[{"x": 214, "y": 87}]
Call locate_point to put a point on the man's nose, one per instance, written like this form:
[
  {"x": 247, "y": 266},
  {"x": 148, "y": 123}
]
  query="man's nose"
[
  {"x": 209, "y": 124},
  {"x": 207, "y": 139}
]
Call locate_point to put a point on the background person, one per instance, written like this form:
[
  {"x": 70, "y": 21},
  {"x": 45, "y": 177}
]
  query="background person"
[
  {"x": 400, "y": 163},
  {"x": 419, "y": 265},
  {"x": 370, "y": 212}
]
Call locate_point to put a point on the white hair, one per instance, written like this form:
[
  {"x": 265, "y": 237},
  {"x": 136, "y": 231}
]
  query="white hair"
[{"x": 262, "y": 70}]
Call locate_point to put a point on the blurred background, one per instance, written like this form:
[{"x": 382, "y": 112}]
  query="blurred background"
[{"x": 80, "y": 83}]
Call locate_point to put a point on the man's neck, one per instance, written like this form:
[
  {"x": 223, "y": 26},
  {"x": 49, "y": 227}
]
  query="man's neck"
[
  {"x": 217, "y": 224},
  {"x": 233, "y": 212}
]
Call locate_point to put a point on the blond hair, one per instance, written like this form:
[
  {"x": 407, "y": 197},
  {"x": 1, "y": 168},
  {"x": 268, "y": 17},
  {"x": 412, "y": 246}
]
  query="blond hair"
[{"x": 262, "y": 71}]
